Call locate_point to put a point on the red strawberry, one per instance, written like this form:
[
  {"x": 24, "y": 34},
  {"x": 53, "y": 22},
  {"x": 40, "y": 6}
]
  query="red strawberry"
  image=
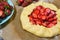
[
  {"x": 47, "y": 10},
  {"x": 50, "y": 15},
  {"x": 43, "y": 17},
  {"x": 20, "y": 1},
  {"x": 53, "y": 12},
  {"x": 3, "y": 16},
  {"x": 42, "y": 10},
  {"x": 5, "y": 3},
  {"x": 36, "y": 0},
  {"x": 39, "y": 16},
  {"x": 30, "y": 18},
  {"x": 44, "y": 24},
  {"x": 8, "y": 11},
  {"x": 38, "y": 22},
  {"x": 0, "y": 3},
  {"x": 39, "y": 7},
  {"x": 1, "y": 7},
  {"x": 35, "y": 13},
  {"x": 25, "y": 3},
  {"x": 51, "y": 19},
  {"x": 50, "y": 25},
  {"x": 55, "y": 18},
  {"x": 1, "y": 13},
  {"x": 29, "y": 1},
  {"x": 54, "y": 22}
]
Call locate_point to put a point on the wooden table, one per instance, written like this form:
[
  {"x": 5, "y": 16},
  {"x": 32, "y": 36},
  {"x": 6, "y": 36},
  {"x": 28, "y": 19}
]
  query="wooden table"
[{"x": 13, "y": 31}]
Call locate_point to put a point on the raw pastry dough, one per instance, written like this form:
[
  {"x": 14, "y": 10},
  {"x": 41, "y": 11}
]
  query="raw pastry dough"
[{"x": 36, "y": 29}]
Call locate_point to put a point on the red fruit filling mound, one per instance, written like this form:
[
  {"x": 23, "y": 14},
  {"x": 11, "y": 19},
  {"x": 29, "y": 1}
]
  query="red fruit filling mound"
[
  {"x": 5, "y": 9},
  {"x": 25, "y": 3},
  {"x": 43, "y": 16}
]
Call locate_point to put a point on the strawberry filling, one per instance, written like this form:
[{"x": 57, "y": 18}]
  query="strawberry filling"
[{"x": 43, "y": 16}]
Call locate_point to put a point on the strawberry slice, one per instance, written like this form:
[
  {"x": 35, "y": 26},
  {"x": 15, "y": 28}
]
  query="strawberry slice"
[
  {"x": 3, "y": 16},
  {"x": 53, "y": 12},
  {"x": 39, "y": 16},
  {"x": 44, "y": 24},
  {"x": 54, "y": 22},
  {"x": 42, "y": 10},
  {"x": 29, "y": 1},
  {"x": 38, "y": 22},
  {"x": 50, "y": 15},
  {"x": 5, "y": 3},
  {"x": 51, "y": 19},
  {"x": 31, "y": 20},
  {"x": 25, "y": 3},
  {"x": 8, "y": 11},
  {"x": 20, "y": 1},
  {"x": 35, "y": 13},
  {"x": 50, "y": 25},
  {"x": 47, "y": 10},
  {"x": 1, "y": 13},
  {"x": 43, "y": 17},
  {"x": 36, "y": 0},
  {"x": 39, "y": 7},
  {"x": 1, "y": 7}
]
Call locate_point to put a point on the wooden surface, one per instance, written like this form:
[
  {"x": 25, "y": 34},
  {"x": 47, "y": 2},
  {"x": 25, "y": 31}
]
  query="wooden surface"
[{"x": 13, "y": 31}]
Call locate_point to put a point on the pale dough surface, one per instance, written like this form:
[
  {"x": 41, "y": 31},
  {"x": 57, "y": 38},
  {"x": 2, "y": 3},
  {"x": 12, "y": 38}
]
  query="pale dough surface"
[{"x": 38, "y": 30}]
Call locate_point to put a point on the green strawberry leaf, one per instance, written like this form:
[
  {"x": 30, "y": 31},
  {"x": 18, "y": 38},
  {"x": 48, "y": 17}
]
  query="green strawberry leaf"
[{"x": 6, "y": 13}]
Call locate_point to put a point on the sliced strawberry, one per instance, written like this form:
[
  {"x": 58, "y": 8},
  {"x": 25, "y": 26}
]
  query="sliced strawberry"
[
  {"x": 50, "y": 25},
  {"x": 43, "y": 17},
  {"x": 30, "y": 17},
  {"x": 8, "y": 11},
  {"x": 20, "y": 1},
  {"x": 47, "y": 10},
  {"x": 0, "y": 3},
  {"x": 38, "y": 22},
  {"x": 55, "y": 18},
  {"x": 1, "y": 13},
  {"x": 31, "y": 20},
  {"x": 25, "y": 3},
  {"x": 5, "y": 3},
  {"x": 1, "y": 7},
  {"x": 51, "y": 19},
  {"x": 42, "y": 10},
  {"x": 50, "y": 15},
  {"x": 29, "y": 1},
  {"x": 39, "y": 16},
  {"x": 36, "y": 0},
  {"x": 35, "y": 13},
  {"x": 3, "y": 16},
  {"x": 54, "y": 22},
  {"x": 44, "y": 24},
  {"x": 53, "y": 12},
  {"x": 39, "y": 7}
]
